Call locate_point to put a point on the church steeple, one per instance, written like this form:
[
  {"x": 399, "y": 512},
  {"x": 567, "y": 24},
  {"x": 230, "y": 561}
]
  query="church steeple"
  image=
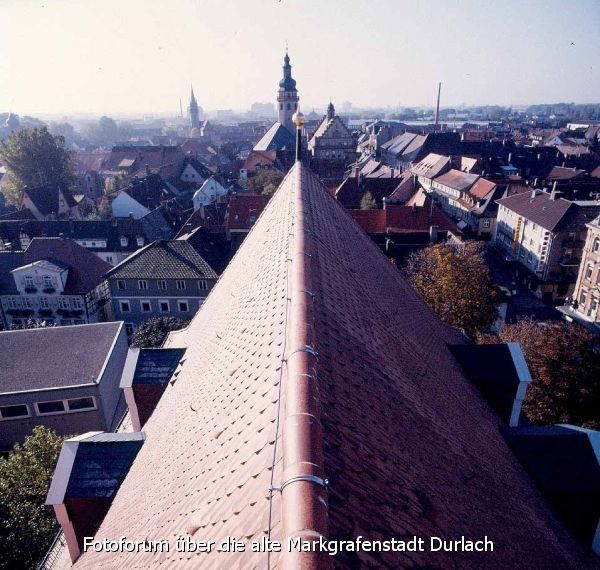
[
  {"x": 194, "y": 111},
  {"x": 330, "y": 111},
  {"x": 287, "y": 96}
]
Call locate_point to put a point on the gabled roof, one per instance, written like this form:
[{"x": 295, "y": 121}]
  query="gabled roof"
[
  {"x": 46, "y": 199},
  {"x": 277, "y": 137},
  {"x": 312, "y": 358},
  {"x": 175, "y": 259},
  {"x": 148, "y": 191},
  {"x": 431, "y": 165},
  {"x": 244, "y": 209},
  {"x": 482, "y": 188},
  {"x": 86, "y": 269},
  {"x": 457, "y": 180},
  {"x": 55, "y": 357},
  {"x": 562, "y": 173},
  {"x": 552, "y": 214}
]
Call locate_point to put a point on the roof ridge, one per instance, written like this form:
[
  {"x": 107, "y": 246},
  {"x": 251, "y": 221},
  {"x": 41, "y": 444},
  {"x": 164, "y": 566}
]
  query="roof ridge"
[{"x": 304, "y": 496}]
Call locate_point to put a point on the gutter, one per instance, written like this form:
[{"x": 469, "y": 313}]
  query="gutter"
[{"x": 303, "y": 487}]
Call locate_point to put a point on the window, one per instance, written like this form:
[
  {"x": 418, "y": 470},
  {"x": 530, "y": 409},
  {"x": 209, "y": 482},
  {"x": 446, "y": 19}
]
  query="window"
[
  {"x": 142, "y": 284},
  {"x": 163, "y": 306},
  {"x": 140, "y": 240},
  {"x": 124, "y": 241},
  {"x": 121, "y": 284},
  {"x": 125, "y": 307},
  {"x": 146, "y": 306},
  {"x": 47, "y": 281},
  {"x": 593, "y": 306},
  {"x": 202, "y": 285},
  {"x": 76, "y": 404},
  {"x": 252, "y": 219},
  {"x": 11, "y": 303},
  {"x": 43, "y": 302},
  {"x": 46, "y": 408},
  {"x": 27, "y": 302},
  {"x": 14, "y": 412},
  {"x": 109, "y": 259},
  {"x": 486, "y": 224},
  {"x": 29, "y": 281},
  {"x": 596, "y": 245},
  {"x": 589, "y": 270},
  {"x": 183, "y": 306},
  {"x": 583, "y": 297},
  {"x": 77, "y": 303},
  {"x": 63, "y": 303},
  {"x": 180, "y": 284},
  {"x": 129, "y": 329},
  {"x": 162, "y": 284}
]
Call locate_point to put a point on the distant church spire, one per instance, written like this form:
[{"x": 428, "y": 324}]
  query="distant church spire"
[
  {"x": 287, "y": 96},
  {"x": 330, "y": 111},
  {"x": 194, "y": 111}
]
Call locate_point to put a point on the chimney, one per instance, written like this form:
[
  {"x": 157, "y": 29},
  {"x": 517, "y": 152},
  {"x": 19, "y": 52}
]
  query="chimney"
[
  {"x": 433, "y": 232},
  {"x": 554, "y": 193},
  {"x": 384, "y": 201},
  {"x": 81, "y": 494}
]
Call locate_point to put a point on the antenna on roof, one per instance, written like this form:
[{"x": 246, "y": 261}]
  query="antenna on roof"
[
  {"x": 437, "y": 109},
  {"x": 180, "y": 108}
]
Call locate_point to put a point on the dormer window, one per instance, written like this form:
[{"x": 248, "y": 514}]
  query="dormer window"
[
  {"x": 124, "y": 241},
  {"x": 140, "y": 240},
  {"x": 47, "y": 281},
  {"x": 29, "y": 281}
]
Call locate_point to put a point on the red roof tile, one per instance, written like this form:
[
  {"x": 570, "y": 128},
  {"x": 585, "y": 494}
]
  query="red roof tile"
[
  {"x": 408, "y": 445},
  {"x": 243, "y": 210}
]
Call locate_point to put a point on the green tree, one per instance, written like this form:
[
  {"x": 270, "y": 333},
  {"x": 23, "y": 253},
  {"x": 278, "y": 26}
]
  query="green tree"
[
  {"x": 27, "y": 526},
  {"x": 34, "y": 157},
  {"x": 454, "y": 280},
  {"x": 564, "y": 362},
  {"x": 153, "y": 332},
  {"x": 265, "y": 181},
  {"x": 368, "y": 202}
]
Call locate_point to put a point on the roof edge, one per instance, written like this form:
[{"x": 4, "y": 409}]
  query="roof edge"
[{"x": 303, "y": 486}]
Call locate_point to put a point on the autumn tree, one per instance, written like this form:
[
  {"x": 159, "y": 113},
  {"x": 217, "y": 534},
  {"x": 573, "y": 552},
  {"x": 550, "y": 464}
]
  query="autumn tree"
[
  {"x": 34, "y": 157},
  {"x": 454, "y": 280},
  {"x": 368, "y": 202},
  {"x": 27, "y": 526},
  {"x": 564, "y": 361},
  {"x": 265, "y": 181},
  {"x": 153, "y": 332}
]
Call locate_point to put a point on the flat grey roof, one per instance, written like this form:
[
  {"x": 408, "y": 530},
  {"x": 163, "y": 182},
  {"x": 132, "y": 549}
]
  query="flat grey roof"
[{"x": 54, "y": 357}]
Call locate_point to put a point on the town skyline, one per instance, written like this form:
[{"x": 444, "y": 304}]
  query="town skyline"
[{"x": 146, "y": 69}]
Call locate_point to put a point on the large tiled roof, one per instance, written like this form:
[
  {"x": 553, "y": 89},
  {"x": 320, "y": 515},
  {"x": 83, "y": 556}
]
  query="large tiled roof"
[
  {"x": 553, "y": 215},
  {"x": 243, "y": 210},
  {"x": 457, "y": 180},
  {"x": 175, "y": 259},
  {"x": 313, "y": 356},
  {"x": 431, "y": 165},
  {"x": 54, "y": 357},
  {"x": 277, "y": 137}
]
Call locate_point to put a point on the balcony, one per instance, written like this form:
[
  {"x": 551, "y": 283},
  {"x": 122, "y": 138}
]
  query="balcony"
[{"x": 569, "y": 261}]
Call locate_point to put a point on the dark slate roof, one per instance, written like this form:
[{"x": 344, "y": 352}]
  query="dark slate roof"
[
  {"x": 54, "y": 357},
  {"x": 156, "y": 365},
  {"x": 381, "y": 409},
  {"x": 351, "y": 191},
  {"x": 8, "y": 262},
  {"x": 86, "y": 270},
  {"x": 552, "y": 215},
  {"x": 46, "y": 198},
  {"x": 175, "y": 259},
  {"x": 100, "y": 467},
  {"x": 277, "y": 137},
  {"x": 213, "y": 246},
  {"x": 198, "y": 166},
  {"x": 148, "y": 191},
  {"x": 152, "y": 227}
]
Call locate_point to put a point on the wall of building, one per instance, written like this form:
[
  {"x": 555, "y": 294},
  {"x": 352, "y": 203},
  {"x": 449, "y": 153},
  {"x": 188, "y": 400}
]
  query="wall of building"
[
  {"x": 154, "y": 295},
  {"x": 124, "y": 205},
  {"x": 587, "y": 289},
  {"x": 69, "y": 423}
]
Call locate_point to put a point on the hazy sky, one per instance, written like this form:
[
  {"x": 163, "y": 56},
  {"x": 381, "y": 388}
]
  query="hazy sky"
[{"x": 140, "y": 56}]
